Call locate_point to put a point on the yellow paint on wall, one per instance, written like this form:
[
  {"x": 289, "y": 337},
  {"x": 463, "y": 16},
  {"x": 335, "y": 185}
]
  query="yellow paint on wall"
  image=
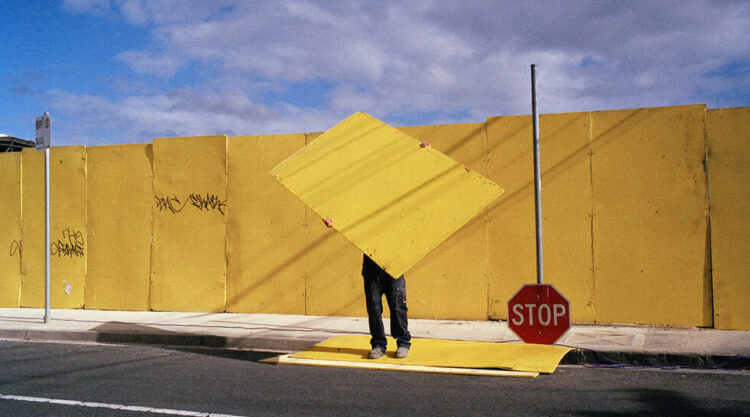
[
  {"x": 432, "y": 287},
  {"x": 333, "y": 266},
  {"x": 649, "y": 227},
  {"x": 729, "y": 171},
  {"x": 566, "y": 208},
  {"x": 392, "y": 198},
  {"x": 188, "y": 256},
  {"x": 266, "y": 230},
  {"x": 120, "y": 201},
  {"x": 10, "y": 229},
  {"x": 333, "y": 269},
  {"x": 650, "y": 222},
  {"x": 68, "y": 246}
]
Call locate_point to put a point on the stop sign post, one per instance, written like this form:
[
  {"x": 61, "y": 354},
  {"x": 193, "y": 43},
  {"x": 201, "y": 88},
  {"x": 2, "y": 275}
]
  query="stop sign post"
[{"x": 538, "y": 313}]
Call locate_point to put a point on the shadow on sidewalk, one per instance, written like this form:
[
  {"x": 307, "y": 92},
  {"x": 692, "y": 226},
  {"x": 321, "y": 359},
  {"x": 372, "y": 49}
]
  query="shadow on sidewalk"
[{"x": 138, "y": 334}]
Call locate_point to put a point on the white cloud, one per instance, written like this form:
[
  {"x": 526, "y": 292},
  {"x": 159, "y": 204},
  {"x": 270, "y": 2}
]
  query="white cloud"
[
  {"x": 164, "y": 12},
  {"x": 143, "y": 62},
  {"x": 87, "y": 119},
  {"x": 393, "y": 58},
  {"x": 310, "y": 12}
]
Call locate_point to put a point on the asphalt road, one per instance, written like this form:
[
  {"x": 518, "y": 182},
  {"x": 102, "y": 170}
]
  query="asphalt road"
[{"x": 93, "y": 380}]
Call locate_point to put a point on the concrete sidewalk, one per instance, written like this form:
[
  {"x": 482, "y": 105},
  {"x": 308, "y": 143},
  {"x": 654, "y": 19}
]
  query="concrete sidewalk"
[{"x": 603, "y": 345}]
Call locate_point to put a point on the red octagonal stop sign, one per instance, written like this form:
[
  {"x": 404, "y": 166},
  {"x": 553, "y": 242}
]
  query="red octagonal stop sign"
[{"x": 539, "y": 314}]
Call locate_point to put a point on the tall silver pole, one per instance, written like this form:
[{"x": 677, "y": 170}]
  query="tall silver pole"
[
  {"x": 46, "y": 237},
  {"x": 537, "y": 180}
]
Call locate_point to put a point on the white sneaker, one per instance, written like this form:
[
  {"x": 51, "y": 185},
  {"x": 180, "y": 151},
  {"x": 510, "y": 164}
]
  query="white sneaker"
[
  {"x": 376, "y": 352},
  {"x": 402, "y": 352}
]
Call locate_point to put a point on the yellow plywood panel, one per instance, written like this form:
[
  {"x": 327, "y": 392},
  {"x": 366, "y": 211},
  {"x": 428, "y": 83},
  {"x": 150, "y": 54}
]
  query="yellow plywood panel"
[
  {"x": 32, "y": 232},
  {"x": 68, "y": 246},
  {"x": 431, "y": 283},
  {"x": 650, "y": 216},
  {"x": 375, "y": 365},
  {"x": 392, "y": 198},
  {"x": 333, "y": 267},
  {"x": 10, "y": 229},
  {"x": 266, "y": 230},
  {"x": 120, "y": 200},
  {"x": 729, "y": 171},
  {"x": 188, "y": 257},
  {"x": 566, "y": 208},
  {"x": 445, "y": 353}
]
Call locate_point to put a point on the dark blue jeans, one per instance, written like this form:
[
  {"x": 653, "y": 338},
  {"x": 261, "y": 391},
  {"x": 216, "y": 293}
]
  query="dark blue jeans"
[{"x": 377, "y": 284}]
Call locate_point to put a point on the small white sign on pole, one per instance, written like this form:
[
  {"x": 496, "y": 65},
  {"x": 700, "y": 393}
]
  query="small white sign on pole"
[{"x": 43, "y": 132}]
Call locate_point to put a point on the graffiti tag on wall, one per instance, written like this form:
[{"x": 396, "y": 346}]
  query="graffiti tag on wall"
[
  {"x": 173, "y": 204},
  {"x": 169, "y": 203},
  {"x": 71, "y": 245},
  {"x": 15, "y": 248}
]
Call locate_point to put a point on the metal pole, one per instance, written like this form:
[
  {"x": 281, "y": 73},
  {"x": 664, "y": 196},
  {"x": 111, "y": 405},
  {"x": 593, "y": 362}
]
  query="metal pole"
[
  {"x": 46, "y": 237},
  {"x": 537, "y": 180}
]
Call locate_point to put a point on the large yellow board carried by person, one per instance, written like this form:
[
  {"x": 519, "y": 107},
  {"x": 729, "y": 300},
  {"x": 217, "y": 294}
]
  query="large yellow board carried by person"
[{"x": 392, "y": 196}]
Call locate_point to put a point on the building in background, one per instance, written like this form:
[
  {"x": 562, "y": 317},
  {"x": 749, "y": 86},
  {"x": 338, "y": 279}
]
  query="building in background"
[{"x": 12, "y": 144}]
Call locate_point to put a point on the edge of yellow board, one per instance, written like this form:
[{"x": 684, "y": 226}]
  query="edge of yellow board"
[
  {"x": 290, "y": 360},
  {"x": 392, "y": 196},
  {"x": 443, "y": 353}
]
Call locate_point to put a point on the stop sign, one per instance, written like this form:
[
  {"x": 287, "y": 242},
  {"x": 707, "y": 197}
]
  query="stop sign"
[{"x": 538, "y": 314}]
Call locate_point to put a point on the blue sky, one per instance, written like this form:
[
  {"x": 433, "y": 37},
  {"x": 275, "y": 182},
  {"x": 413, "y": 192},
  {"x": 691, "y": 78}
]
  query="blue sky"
[{"x": 126, "y": 71}]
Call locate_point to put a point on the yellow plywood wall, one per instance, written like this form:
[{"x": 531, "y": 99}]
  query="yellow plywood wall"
[
  {"x": 120, "y": 201},
  {"x": 624, "y": 205},
  {"x": 32, "y": 232},
  {"x": 729, "y": 169},
  {"x": 650, "y": 220},
  {"x": 566, "y": 209},
  {"x": 10, "y": 229},
  {"x": 68, "y": 246},
  {"x": 188, "y": 261},
  {"x": 266, "y": 236},
  {"x": 462, "y": 258}
]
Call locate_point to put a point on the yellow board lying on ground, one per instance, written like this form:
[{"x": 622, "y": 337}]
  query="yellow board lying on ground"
[
  {"x": 444, "y": 353},
  {"x": 375, "y": 365},
  {"x": 386, "y": 192}
]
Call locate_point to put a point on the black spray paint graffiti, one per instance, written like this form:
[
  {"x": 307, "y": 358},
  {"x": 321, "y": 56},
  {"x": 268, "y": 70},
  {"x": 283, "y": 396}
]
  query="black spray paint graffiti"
[
  {"x": 71, "y": 245},
  {"x": 169, "y": 203},
  {"x": 208, "y": 202},
  {"x": 15, "y": 247}
]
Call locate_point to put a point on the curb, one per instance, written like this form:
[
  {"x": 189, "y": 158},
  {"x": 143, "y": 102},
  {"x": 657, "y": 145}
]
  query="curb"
[
  {"x": 285, "y": 345},
  {"x": 642, "y": 360},
  {"x": 577, "y": 356}
]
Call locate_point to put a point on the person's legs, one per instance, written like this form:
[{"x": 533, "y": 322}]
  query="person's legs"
[
  {"x": 395, "y": 293},
  {"x": 373, "y": 298}
]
